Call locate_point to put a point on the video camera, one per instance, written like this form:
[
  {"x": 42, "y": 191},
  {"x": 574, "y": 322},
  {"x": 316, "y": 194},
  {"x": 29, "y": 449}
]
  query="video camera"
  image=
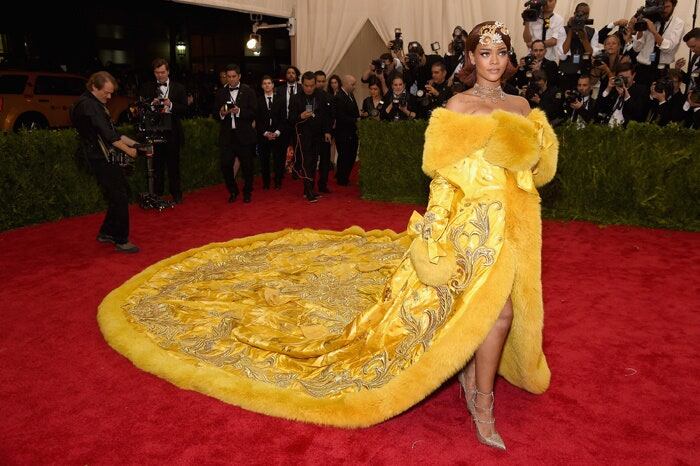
[
  {"x": 572, "y": 96},
  {"x": 533, "y": 10},
  {"x": 152, "y": 122},
  {"x": 652, "y": 10},
  {"x": 664, "y": 84}
]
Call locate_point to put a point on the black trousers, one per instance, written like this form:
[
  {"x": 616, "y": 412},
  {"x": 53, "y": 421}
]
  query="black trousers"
[
  {"x": 231, "y": 148},
  {"x": 324, "y": 164},
  {"x": 167, "y": 155},
  {"x": 115, "y": 190},
  {"x": 307, "y": 156},
  {"x": 276, "y": 151},
  {"x": 347, "y": 144}
]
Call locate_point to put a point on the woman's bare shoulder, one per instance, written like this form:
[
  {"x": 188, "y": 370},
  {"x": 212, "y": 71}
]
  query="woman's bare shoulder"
[{"x": 520, "y": 103}]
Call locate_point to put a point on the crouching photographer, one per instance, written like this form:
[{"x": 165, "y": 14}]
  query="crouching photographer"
[
  {"x": 667, "y": 99},
  {"x": 398, "y": 104},
  {"x": 108, "y": 153}
]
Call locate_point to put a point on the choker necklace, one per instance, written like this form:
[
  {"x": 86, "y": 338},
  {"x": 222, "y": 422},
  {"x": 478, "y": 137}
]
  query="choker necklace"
[{"x": 489, "y": 93}]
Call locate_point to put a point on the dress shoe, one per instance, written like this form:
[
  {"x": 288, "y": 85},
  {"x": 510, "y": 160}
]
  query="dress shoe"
[
  {"x": 311, "y": 198},
  {"x": 247, "y": 198},
  {"x": 324, "y": 190},
  {"x": 102, "y": 238},
  {"x": 127, "y": 248},
  {"x": 232, "y": 197},
  {"x": 177, "y": 199}
]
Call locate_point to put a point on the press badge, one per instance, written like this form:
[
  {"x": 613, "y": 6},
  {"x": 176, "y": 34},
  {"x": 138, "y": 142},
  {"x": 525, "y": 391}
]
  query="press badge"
[
  {"x": 577, "y": 59},
  {"x": 652, "y": 57}
]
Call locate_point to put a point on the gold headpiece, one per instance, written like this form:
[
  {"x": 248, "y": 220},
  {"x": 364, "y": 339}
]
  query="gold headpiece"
[{"x": 488, "y": 34}]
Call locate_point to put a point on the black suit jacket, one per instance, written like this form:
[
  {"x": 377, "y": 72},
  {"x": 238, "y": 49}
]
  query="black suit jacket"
[
  {"x": 270, "y": 119},
  {"x": 178, "y": 96},
  {"x": 247, "y": 102},
  {"x": 346, "y": 114},
  {"x": 633, "y": 109},
  {"x": 587, "y": 112},
  {"x": 317, "y": 125},
  {"x": 282, "y": 92}
]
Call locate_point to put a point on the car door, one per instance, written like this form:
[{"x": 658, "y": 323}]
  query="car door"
[{"x": 55, "y": 95}]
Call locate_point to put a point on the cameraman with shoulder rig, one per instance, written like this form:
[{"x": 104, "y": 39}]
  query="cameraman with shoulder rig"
[
  {"x": 98, "y": 139},
  {"x": 658, "y": 36},
  {"x": 578, "y": 47}
]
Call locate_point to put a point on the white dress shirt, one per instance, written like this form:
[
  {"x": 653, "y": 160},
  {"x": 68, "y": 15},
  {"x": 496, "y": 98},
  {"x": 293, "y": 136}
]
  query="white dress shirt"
[
  {"x": 555, "y": 30},
  {"x": 672, "y": 35}
]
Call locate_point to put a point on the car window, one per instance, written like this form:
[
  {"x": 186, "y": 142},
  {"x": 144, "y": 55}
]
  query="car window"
[
  {"x": 13, "y": 83},
  {"x": 58, "y": 85}
]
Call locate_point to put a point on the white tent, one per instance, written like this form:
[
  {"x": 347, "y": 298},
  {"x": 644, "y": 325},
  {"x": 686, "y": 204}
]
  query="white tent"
[{"x": 332, "y": 34}]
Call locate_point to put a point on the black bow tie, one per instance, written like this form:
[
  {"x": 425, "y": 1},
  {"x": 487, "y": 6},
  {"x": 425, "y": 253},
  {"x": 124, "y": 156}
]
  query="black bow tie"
[
  {"x": 234, "y": 88},
  {"x": 162, "y": 85}
]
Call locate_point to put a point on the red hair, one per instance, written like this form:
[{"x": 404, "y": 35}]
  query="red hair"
[{"x": 468, "y": 72}]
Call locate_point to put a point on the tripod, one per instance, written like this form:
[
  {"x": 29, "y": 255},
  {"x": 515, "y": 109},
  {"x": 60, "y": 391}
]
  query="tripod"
[{"x": 150, "y": 200}]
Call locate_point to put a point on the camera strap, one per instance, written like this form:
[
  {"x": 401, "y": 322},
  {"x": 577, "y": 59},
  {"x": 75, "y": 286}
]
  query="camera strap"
[{"x": 657, "y": 50}]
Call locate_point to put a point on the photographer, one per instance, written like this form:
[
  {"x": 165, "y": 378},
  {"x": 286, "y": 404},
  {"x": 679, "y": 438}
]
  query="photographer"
[
  {"x": 623, "y": 100},
  {"x": 238, "y": 110},
  {"x": 454, "y": 58},
  {"x": 692, "y": 79},
  {"x": 373, "y": 104},
  {"x": 417, "y": 67},
  {"x": 398, "y": 104},
  {"x": 661, "y": 109},
  {"x": 533, "y": 62},
  {"x": 310, "y": 115},
  {"x": 540, "y": 94},
  {"x": 91, "y": 119},
  {"x": 692, "y": 40},
  {"x": 436, "y": 92},
  {"x": 383, "y": 67},
  {"x": 541, "y": 23},
  {"x": 269, "y": 125},
  {"x": 657, "y": 39},
  {"x": 578, "y": 48},
  {"x": 167, "y": 97},
  {"x": 579, "y": 106},
  {"x": 608, "y": 59}
]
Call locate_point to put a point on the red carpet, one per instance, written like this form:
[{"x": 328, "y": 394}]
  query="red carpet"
[{"x": 621, "y": 335}]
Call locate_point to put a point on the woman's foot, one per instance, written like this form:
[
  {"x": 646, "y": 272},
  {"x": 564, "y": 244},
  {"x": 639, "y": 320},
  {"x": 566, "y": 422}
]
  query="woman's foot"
[
  {"x": 467, "y": 383},
  {"x": 481, "y": 409}
]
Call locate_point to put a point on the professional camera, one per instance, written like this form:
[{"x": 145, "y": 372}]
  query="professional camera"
[
  {"x": 533, "y": 89},
  {"x": 652, "y": 10},
  {"x": 412, "y": 60},
  {"x": 458, "y": 45},
  {"x": 533, "y": 10},
  {"x": 397, "y": 43},
  {"x": 529, "y": 60},
  {"x": 664, "y": 84},
  {"x": 572, "y": 96},
  {"x": 578, "y": 22},
  {"x": 600, "y": 59},
  {"x": 399, "y": 101},
  {"x": 620, "y": 81},
  {"x": 423, "y": 97},
  {"x": 378, "y": 65}
]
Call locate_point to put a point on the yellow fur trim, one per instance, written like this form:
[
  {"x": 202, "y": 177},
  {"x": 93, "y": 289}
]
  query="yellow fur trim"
[
  {"x": 427, "y": 272},
  {"x": 514, "y": 144},
  {"x": 549, "y": 150}
]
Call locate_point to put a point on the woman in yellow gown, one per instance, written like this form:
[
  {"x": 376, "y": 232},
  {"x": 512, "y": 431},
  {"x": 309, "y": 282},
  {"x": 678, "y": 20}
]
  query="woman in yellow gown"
[{"x": 351, "y": 328}]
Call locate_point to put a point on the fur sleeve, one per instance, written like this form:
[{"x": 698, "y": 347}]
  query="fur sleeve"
[
  {"x": 546, "y": 167},
  {"x": 513, "y": 144}
]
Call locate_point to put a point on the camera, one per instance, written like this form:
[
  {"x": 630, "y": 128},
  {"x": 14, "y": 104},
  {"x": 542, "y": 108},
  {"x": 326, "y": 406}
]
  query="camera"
[
  {"x": 397, "y": 43},
  {"x": 572, "y": 96},
  {"x": 412, "y": 60},
  {"x": 423, "y": 98},
  {"x": 652, "y": 10},
  {"x": 399, "y": 101},
  {"x": 620, "y": 81},
  {"x": 533, "y": 10},
  {"x": 533, "y": 89},
  {"x": 458, "y": 45},
  {"x": 601, "y": 59},
  {"x": 529, "y": 59},
  {"x": 151, "y": 122},
  {"x": 378, "y": 65},
  {"x": 228, "y": 105},
  {"x": 578, "y": 22}
]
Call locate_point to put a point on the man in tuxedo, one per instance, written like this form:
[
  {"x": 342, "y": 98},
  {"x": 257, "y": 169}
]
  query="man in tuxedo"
[
  {"x": 623, "y": 100},
  {"x": 309, "y": 114},
  {"x": 269, "y": 124},
  {"x": 170, "y": 97},
  {"x": 346, "y": 116},
  {"x": 582, "y": 110},
  {"x": 541, "y": 94},
  {"x": 237, "y": 106},
  {"x": 691, "y": 78},
  {"x": 286, "y": 91},
  {"x": 324, "y": 162}
]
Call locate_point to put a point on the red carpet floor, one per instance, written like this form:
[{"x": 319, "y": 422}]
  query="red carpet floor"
[{"x": 621, "y": 334}]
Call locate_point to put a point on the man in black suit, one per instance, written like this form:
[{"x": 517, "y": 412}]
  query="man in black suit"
[
  {"x": 271, "y": 113},
  {"x": 309, "y": 113},
  {"x": 346, "y": 116},
  {"x": 623, "y": 100},
  {"x": 237, "y": 106},
  {"x": 286, "y": 92},
  {"x": 171, "y": 98},
  {"x": 324, "y": 162},
  {"x": 580, "y": 110}
]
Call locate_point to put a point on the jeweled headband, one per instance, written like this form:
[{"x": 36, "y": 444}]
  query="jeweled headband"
[{"x": 488, "y": 34}]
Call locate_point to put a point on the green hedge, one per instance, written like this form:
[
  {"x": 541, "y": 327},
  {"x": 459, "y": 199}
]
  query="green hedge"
[
  {"x": 643, "y": 175},
  {"x": 40, "y": 181}
]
